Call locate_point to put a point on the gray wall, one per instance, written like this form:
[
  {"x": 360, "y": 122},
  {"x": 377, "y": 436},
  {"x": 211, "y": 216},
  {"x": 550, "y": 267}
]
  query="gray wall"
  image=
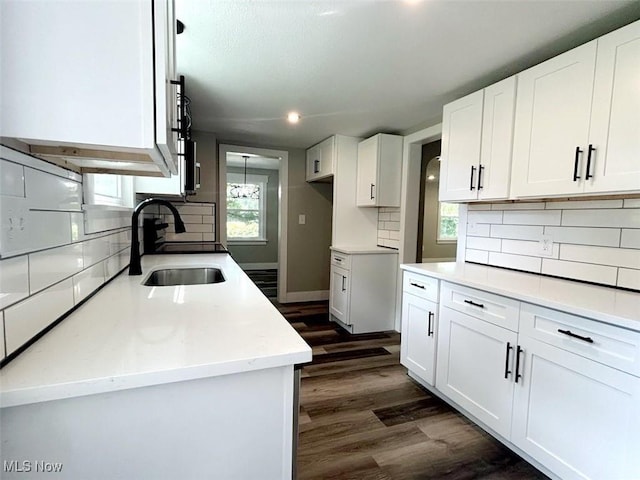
[
  {"x": 429, "y": 231},
  {"x": 261, "y": 253}
]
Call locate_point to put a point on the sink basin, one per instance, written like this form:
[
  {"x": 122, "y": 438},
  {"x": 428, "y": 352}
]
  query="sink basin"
[{"x": 184, "y": 276}]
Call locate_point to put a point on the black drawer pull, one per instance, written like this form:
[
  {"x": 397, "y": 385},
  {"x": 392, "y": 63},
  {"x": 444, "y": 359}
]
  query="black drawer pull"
[
  {"x": 344, "y": 279},
  {"x": 506, "y": 361},
  {"x": 429, "y": 329},
  {"x": 519, "y": 350},
  {"x": 480, "y": 169},
  {"x": 371, "y": 192},
  {"x": 417, "y": 285},
  {"x": 337, "y": 259},
  {"x": 316, "y": 166},
  {"x": 575, "y": 164},
  {"x": 471, "y": 185},
  {"x": 574, "y": 335},
  {"x": 479, "y": 305},
  {"x": 591, "y": 150}
]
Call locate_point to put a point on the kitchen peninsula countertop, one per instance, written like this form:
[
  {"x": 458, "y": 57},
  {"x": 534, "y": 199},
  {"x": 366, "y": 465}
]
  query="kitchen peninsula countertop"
[
  {"x": 606, "y": 304},
  {"x": 129, "y": 335}
]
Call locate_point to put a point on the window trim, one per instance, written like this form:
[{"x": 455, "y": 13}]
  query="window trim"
[
  {"x": 124, "y": 199},
  {"x": 439, "y": 238},
  {"x": 263, "y": 181}
]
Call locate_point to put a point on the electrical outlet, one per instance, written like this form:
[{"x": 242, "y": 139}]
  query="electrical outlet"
[
  {"x": 302, "y": 219},
  {"x": 546, "y": 245}
]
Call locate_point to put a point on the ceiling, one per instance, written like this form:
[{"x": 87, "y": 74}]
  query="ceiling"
[
  {"x": 359, "y": 67},
  {"x": 253, "y": 161}
]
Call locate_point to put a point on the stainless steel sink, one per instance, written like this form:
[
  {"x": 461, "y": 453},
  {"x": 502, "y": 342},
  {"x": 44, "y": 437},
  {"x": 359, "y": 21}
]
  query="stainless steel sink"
[{"x": 184, "y": 276}]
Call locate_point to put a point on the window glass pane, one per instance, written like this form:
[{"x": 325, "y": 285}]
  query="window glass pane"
[
  {"x": 448, "y": 225},
  {"x": 107, "y": 185},
  {"x": 243, "y": 224},
  {"x": 243, "y": 203}
]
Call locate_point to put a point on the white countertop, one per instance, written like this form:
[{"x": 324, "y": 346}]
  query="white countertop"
[
  {"x": 130, "y": 335},
  {"x": 606, "y": 304},
  {"x": 362, "y": 249}
]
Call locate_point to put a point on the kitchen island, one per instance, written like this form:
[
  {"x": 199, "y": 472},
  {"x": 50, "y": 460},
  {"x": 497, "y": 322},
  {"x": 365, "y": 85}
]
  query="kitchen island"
[{"x": 187, "y": 381}]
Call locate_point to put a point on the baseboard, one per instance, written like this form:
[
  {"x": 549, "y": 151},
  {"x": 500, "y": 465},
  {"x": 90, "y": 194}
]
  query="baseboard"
[
  {"x": 311, "y": 296},
  {"x": 258, "y": 266}
]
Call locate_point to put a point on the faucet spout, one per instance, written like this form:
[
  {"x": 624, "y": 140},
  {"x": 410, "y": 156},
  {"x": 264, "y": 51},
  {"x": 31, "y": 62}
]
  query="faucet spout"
[{"x": 134, "y": 260}]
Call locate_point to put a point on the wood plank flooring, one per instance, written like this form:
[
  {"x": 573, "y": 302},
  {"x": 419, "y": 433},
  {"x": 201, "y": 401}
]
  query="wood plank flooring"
[{"x": 362, "y": 417}]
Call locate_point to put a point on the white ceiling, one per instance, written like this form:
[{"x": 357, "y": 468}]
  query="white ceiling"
[
  {"x": 253, "y": 161},
  {"x": 359, "y": 67}
]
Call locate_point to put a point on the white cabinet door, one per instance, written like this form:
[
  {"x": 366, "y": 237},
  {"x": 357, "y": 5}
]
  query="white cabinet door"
[
  {"x": 367, "y": 172},
  {"x": 494, "y": 171},
  {"x": 615, "y": 120},
  {"x": 339, "y": 295},
  {"x": 460, "y": 155},
  {"x": 313, "y": 163},
  {"x": 577, "y": 417},
  {"x": 475, "y": 367},
  {"x": 419, "y": 330},
  {"x": 553, "y": 111},
  {"x": 321, "y": 160}
]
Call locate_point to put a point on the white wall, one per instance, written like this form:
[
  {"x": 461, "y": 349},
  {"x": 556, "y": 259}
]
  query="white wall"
[
  {"x": 596, "y": 241},
  {"x": 48, "y": 262}
]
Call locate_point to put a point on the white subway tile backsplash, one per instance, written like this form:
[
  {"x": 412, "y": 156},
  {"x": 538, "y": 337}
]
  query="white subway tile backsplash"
[
  {"x": 484, "y": 243},
  {"x": 606, "y": 237},
  {"x": 630, "y": 238},
  {"x": 484, "y": 217},
  {"x": 631, "y": 203},
  {"x": 584, "y": 204},
  {"x": 517, "y": 232},
  {"x": 11, "y": 179},
  {"x": 29, "y": 161},
  {"x": 384, "y": 217},
  {"x": 531, "y": 217},
  {"x": 49, "y": 192},
  {"x": 580, "y": 271},
  {"x": 198, "y": 228},
  {"x": 48, "y": 229},
  {"x": 14, "y": 280},
  {"x": 50, "y": 266},
  {"x": 27, "y": 318},
  {"x": 208, "y": 219},
  {"x": 394, "y": 216},
  {"x": 517, "y": 262},
  {"x": 518, "y": 206},
  {"x": 192, "y": 210},
  {"x": 183, "y": 237},
  {"x": 96, "y": 220},
  {"x": 383, "y": 234},
  {"x": 526, "y": 247},
  {"x": 478, "y": 206},
  {"x": 394, "y": 235},
  {"x": 620, "y": 257},
  {"x": 87, "y": 281},
  {"x": 478, "y": 229},
  {"x": 208, "y": 237},
  {"x": 619, "y": 218},
  {"x": 629, "y": 278},
  {"x": 119, "y": 241},
  {"x": 392, "y": 226},
  {"x": 96, "y": 250},
  {"x": 478, "y": 256},
  {"x": 111, "y": 266}
]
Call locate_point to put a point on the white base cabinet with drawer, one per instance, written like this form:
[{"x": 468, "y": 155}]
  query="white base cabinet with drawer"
[
  {"x": 560, "y": 389},
  {"x": 362, "y": 290}
]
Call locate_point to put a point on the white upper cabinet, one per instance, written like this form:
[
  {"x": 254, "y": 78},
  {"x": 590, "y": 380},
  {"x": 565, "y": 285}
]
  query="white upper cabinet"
[
  {"x": 379, "y": 171},
  {"x": 577, "y": 128},
  {"x": 321, "y": 160},
  {"x": 89, "y": 83},
  {"x": 476, "y": 144}
]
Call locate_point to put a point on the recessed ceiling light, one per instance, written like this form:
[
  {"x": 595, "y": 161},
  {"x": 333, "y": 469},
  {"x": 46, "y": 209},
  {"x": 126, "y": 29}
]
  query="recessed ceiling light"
[
  {"x": 293, "y": 117},
  {"x": 431, "y": 177}
]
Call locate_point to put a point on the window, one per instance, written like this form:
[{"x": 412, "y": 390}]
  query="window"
[
  {"x": 448, "y": 222},
  {"x": 109, "y": 190},
  {"x": 246, "y": 208}
]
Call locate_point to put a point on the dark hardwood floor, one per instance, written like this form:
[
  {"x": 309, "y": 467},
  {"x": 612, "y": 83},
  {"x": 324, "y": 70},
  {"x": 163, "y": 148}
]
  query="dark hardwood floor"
[{"x": 362, "y": 417}]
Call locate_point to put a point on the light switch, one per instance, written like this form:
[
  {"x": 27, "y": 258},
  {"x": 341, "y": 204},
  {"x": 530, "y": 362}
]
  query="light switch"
[{"x": 302, "y": 219}]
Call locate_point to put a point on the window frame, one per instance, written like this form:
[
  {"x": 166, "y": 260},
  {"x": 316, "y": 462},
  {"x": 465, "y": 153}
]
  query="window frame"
[
  {"x": 263, "y": 181},
  {"x": 439, "y": 238},
  {"x": 124, "y": 198}
]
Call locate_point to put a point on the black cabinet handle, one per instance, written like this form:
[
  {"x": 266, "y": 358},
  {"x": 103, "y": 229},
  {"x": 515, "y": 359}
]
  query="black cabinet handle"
[
  {"x": 417, "y": 285},
  {"x": 337, "y": 259},
  {"x": 480, "y": 169},
  {"x": 429, "y": 329},
  {"x": 575, "y": 335},
  {"x": 519, "y": 350},
  {"x": 344, "y": 279},
  {"x": 591, "y": 150},
  {"x": 479, "y": 305},
  {"x": 471, "y": 185},
  {"x": 316, "y": 166},
  {"x": 371, "y": 191},
  {"x": 575, "y": 164},
  {"x": 506, "y": 361}
]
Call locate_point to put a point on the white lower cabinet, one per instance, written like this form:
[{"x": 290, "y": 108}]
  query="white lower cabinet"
[
  {"x": 419, "y": 327},
  {"x": 577, "y": 417},
  {"x": 476, "y": 367},
  {"x": 339, "y": 297},
  {"x": 560, "y": 389}
]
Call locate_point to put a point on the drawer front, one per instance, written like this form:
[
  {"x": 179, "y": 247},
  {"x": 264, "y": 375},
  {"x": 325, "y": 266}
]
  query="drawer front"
[
  {"x": 421, "y": 286},
  {"x": 501, "y": 311},
  {"x": 341, "y": 260},
  {"x": 607, "y": 344}
]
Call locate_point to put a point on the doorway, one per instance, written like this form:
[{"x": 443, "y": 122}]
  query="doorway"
[{"x": 253, "y": 213}]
